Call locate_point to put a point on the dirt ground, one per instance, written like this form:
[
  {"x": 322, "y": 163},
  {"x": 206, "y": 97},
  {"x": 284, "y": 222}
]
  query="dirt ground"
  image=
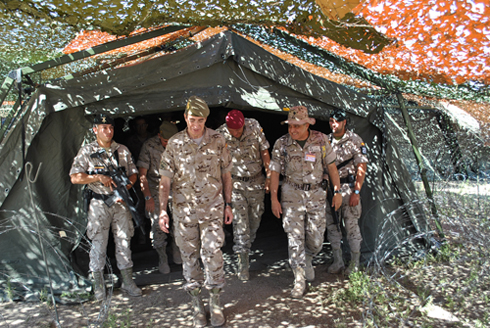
[{"x": 263, "y": 301}]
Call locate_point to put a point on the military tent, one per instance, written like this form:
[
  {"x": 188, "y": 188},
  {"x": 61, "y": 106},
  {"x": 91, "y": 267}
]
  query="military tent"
[{"x": 228, "y": 71}]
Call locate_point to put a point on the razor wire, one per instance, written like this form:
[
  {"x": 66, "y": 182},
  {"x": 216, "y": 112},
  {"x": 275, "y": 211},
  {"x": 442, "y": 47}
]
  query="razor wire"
[{"x": 21, "y": 286}]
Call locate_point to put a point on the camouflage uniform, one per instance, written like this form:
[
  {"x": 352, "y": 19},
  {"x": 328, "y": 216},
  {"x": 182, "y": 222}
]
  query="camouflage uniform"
[
  {"x": 248, "y": 182},
  {"x": 149, "y": 158},
  {"x": 198, "y": 203},
  {"x": 100, "y": 216},
  {"x": 348, "y": 149},
  {"x": 303, "y": 210}
]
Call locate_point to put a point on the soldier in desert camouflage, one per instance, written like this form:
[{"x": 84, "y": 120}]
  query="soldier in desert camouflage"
[
  {"x": 302, "y": 157},
  {"x": 250, "y": 153},
  {"x": 91, "y": 170},
  {"x": 149, "y": 165},
  {"x": 352, "y": 164},
  {"x": 196, "y": 165}
]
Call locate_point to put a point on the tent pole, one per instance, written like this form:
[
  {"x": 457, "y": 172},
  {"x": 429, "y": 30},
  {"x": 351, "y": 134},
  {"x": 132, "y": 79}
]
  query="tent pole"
[{"x": 420, "y": 163}]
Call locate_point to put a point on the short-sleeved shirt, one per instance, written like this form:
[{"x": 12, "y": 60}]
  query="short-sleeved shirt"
[
  {"x": 351, "y": 149},
  {"x": 246, "y": 150},
  {"x": 83, "y": 162},
  {"x": 305, "y": 165},
  {"x": 195, "y": 169},
  {"x": 150, "y": 158}
]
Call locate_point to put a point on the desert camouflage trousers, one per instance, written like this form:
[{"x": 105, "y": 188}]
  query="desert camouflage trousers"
[
  {"x": 248, "y": 207},
  {"x": 199, "y": 234},
  {"x": 349, "y": 217},
  {"x": 303, "y": 221},
  {"x": 100, "y": 218}
]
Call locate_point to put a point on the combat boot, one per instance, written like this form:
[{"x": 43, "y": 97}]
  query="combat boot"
[
  {"x": 176, "y": 253},
  {"x": 338, "y": 263},
  {"x": 299, "y": 283},
  {"x": 128, "y": 284},
  {"x": 243, "y": 265},
  {"x": 163, "y": 266},
  {"x": 99, "y": 285},
  {"x": 354, "y": 263},
  {"x": 199, "y": 315},
  {"x": 309, "y": 269},
  {"x": 217, "y": 317}
]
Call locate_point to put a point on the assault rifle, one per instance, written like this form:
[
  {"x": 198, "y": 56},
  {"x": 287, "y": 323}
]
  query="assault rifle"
[
  {"x": 335, "y": 214},
  {"x": 119, "y": 177}
]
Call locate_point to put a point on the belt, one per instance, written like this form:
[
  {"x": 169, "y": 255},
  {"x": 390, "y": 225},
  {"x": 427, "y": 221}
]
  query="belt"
[
  {"x": 246, "y": 179},
  {"x": 302, "y": 186}
]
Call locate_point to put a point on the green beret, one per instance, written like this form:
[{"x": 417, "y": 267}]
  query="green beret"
[
  {"x": 167, "y": 129},
  {"x": 197, "y": 107}
]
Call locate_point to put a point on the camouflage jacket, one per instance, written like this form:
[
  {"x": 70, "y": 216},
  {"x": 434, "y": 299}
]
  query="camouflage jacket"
[
  {"x": 302, "y": 165},
  {"x": 350, "y": 149},
  {"x": 84, "y": 163}
]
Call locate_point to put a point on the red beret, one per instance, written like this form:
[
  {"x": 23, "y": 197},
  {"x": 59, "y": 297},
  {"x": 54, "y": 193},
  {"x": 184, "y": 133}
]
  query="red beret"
[{"x": 235, "y": 119}]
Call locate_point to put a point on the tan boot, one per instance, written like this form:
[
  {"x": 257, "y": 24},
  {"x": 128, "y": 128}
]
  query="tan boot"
[
  {"x": 309, "y": 270},
  {"x": 199, "y": 315},
  {"x": 128, "y": 284},
  {"x": 99, "y": 285},
  {"x": 243, "y": 265},
  {"x": 354, "y": 263},
  {"x": 299, "y": 283},
  {"x": 163, "y": 266},
  {"x": 338, "y": 263},
  {"x": 217, "y": 317},
  {"x": 176, "y": 253}
]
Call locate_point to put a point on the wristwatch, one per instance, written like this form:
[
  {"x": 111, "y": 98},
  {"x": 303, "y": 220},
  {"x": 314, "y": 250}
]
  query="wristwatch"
[
  {"x": 336, "y": 192},
  {"x": 228, "y": 204},
  {"x": 357, "y": 192},
  {"x": 147, "y": 197}
]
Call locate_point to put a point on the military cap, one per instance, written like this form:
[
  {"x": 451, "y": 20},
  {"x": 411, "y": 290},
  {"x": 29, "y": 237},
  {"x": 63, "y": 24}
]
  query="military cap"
[
  {"x": 299, "y": 115},
  {"x": 103, "y": 119},
  {"x": 197, "y": 107},
  {"x": 338, "y": 114},
  {"x": 167, "y": 129}
]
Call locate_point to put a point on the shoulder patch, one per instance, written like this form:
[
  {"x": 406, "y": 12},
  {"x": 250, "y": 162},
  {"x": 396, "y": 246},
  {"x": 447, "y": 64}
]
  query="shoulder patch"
[{"x": 363, "y": 148}]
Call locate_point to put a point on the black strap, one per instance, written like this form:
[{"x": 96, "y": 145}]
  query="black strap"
[{"x": 344, "y": 163}]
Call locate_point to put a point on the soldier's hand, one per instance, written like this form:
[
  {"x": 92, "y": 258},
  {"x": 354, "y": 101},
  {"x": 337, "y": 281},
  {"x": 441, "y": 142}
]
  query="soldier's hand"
[
  {"x": 337, "y": 201},
  {"x": 163, "y": 221},
  {"x": 106, "y": 180},
  {"x": 150, "y": 205},
  {"x": 276, "y": 208},
  {"x": 354, "y": 199},
  {"x": 228, "y": 215}
]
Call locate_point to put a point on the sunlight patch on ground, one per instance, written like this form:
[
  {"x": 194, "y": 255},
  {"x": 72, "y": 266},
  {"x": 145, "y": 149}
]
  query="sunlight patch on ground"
[{"x": 437, "y": 312}]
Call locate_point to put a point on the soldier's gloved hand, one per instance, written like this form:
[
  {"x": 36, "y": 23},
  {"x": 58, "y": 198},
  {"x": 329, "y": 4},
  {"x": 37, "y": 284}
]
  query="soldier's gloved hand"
[{"x": 163, "y": 221}]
